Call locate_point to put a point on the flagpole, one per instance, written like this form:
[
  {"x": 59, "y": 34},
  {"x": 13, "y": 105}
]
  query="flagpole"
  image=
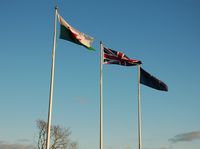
[
  {"x": 51, "y": 82},
  {"x": 101, "y": 96},
  {"x": 139, "y": 112}
]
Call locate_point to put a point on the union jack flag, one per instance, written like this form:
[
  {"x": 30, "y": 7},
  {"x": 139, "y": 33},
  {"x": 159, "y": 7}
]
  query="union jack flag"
[{"x": 119, "y": 58}]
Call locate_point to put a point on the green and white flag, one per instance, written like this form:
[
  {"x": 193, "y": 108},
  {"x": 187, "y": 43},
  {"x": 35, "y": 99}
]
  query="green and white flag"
[{"x": 67, "y": 32}]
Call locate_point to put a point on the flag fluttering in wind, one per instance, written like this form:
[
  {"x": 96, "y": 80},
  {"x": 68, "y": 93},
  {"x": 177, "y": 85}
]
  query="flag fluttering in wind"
[
  {"x": 67, "y": 32},
  {"x": 151, "y": 81},
  {"x": 119, "y": 58}
]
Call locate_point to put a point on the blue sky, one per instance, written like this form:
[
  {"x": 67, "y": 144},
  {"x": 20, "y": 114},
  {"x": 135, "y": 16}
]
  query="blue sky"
[{"x": 163, "y": 34}]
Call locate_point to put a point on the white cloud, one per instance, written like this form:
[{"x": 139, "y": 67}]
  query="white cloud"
[
  {"x": 24, "y": 140},
  {"x": 157, "y": 148},
  {"x": 82, "y": 100},
  {"x": 4, "y": 145},
  {"x": 186, "y": 137},
  {"x": 127, "y": 147}
]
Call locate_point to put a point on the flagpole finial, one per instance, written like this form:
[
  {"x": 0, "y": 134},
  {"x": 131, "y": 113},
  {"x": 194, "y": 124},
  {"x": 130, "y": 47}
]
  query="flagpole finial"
[{"x": 56, "y": 4}]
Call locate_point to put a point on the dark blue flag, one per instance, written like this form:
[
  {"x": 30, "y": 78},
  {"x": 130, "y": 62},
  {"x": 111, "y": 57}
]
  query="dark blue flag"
[{"x": 151, "y": 81}]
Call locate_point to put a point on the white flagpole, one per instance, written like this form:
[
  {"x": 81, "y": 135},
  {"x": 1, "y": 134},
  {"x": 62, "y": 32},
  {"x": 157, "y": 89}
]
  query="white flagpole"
[
  {"x": 101, "y": 96},
  {"x": 139, "y": 112},
  {"x": 52, "y": 82}
]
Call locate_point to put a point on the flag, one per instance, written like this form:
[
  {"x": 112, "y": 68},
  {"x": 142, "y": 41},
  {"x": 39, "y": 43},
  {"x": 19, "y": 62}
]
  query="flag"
[
  {"x": 151, "y": 81},
  {"x": 119, "y": 58},
  {"x": 67, "y": 32}
]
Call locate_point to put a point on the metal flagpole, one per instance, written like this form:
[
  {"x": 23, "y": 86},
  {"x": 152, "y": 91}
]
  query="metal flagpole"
[
  {"x": 101, "y": 96},
  {"x": 52, "y": 82},
  {"x": 139, "y": 112}
]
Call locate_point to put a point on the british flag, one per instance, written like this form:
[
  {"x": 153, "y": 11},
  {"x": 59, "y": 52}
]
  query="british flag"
[{"x": 119, "y": 58}]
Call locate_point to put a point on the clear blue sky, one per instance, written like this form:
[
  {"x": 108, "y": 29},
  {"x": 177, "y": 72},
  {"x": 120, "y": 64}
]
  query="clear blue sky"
[{"x": 163, "y": 34}]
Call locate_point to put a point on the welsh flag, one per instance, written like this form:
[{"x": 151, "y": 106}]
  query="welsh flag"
[{"x": 67, "y": 32}]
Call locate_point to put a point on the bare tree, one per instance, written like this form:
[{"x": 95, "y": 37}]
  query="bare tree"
[{"x": 60, "y": 137}]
